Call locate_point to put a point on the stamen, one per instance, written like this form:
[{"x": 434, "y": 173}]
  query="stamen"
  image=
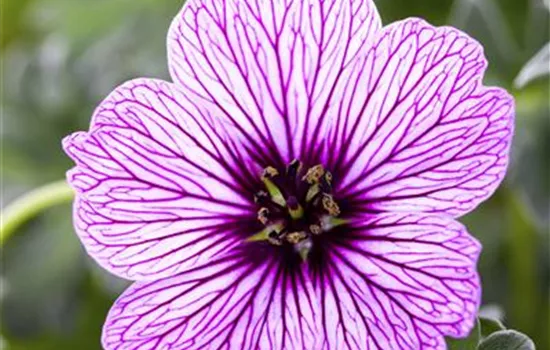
[
  {"x": 328, "y": 177},
  {"x": 296, "y": 206},
  {"x": 303, "y": 248},
  {"x": 261, "y": 197},
  {"x": 296, "y": 237},
  {"x": 315, "y": 229},
  {"x": 266, "y": 233},
  {"x": 330, "y": 205},
  {"x": 270, "y": 172},
  {"x": 274, "y": 192},
  {"x": 329, "y": 222},
  {"x": 263, "y": 214},
  {"x": 326, "y": 183},
  {"x": 274, "y": 238},
  {"x": 314, "y": 174},
  {"x": 312, "y": 192}
]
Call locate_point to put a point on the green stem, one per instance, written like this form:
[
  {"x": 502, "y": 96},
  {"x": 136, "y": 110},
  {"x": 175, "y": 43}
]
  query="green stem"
[{"x": 31, "y": 204}]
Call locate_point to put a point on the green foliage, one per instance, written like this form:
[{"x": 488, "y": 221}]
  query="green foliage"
[
  {"x": 490, "y": 334},
  {"x": 489, "y": 326},
  {"x": 507, "y": 340}
]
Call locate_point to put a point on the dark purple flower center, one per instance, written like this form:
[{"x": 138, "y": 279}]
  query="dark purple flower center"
[{"x": 295, "y": 206}]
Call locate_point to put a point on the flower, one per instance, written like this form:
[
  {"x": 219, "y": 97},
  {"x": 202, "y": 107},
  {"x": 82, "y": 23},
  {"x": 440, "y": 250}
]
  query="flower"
[{"x": 296, "y": 186}]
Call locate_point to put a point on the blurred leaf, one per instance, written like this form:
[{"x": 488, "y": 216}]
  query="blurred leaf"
[
  {"x": 522, "y": 261},
  {"x": 435, "y": 12},
  {"x": 12, "y": 23},
  {"x": 507, "y": 340},
  {"x": 467, "y": 343},
  {"x": 82, "y": 23},
  {"x": 509, "y": 30},
  {"x": 41, "y": 291},
  {"x": 537, "y": 67},
  {"x": 489, "y": 326},
  {"x": 86, "y": 327}
]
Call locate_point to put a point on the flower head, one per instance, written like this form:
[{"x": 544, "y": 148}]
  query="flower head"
[{"x": 296, "y": 186}]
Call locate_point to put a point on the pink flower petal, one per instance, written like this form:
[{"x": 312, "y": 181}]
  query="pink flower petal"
[
  {"x": 415, "y": 129},
  {"x": 161, "y": 186},
  {"x": 233, "y": 303},
  {"x": 402, "y": 282},
  {"x": 271, "y": 66},
  {"x": 398, "y": 281}
]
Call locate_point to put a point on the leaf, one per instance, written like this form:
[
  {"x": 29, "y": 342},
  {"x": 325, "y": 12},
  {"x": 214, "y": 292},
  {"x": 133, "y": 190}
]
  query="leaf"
[
  {"x": 507, "y": 340},
  {"x": 489, "y": 326},
  {"x": 468, "y": 343},
  {"x": 537, "y": 67}
]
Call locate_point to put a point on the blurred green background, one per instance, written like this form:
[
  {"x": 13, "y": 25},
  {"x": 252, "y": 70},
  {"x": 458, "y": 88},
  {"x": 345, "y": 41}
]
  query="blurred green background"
[{"x": 61, "y": 57}]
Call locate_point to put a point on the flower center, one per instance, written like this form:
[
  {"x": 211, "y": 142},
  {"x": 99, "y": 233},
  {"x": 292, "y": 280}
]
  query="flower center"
[{"x": 296, "y": 206}]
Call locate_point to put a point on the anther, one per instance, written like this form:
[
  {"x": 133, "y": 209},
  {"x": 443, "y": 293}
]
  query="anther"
[
  {"x": 314, "y": 174},
  {"x": 330, "y": 205},
  {"x": 270, "y": 172},
  {"x": 261, "y": 197},
  {"x": 315, "y": 229},
  {"x": 296, "y": 237},
  {"x": 263, "y": 214},
  {"x": 274, "y": 238}
]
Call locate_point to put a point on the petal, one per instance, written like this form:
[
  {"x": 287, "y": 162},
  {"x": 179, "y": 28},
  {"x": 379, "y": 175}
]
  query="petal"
[
  {"x": 271, "y": 66},
  {"x": 415, "y": 129},
  {"x": 158, "y": 184},
  {"x": 232, "y": 303},
  {"x": 401, "y": 281}
]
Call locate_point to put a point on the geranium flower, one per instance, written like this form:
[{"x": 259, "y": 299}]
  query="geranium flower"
[{"x": 296, "y": 186}]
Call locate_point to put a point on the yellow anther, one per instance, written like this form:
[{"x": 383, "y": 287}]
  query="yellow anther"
[
  {"x": 263, "y": 216},
  {"x": 330, "y": 205},
  {"x": 296, "y": 237},
  {"x": 314, "y": 174},
  {"x": 270, "y": 172}
]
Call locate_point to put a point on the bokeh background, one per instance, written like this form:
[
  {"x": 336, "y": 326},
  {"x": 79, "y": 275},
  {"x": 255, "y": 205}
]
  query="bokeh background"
[{"x": 61, "y": 57}]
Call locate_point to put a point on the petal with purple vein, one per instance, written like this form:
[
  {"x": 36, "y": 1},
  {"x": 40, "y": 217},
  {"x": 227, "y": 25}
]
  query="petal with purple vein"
[
  {"x": 400, "y": 281},
  {"x": 235, "y": 302},
  {"x": 270, "y": 65},
  {"x": 161, "y": 185},
  {"x": 415, "y": 129}
]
